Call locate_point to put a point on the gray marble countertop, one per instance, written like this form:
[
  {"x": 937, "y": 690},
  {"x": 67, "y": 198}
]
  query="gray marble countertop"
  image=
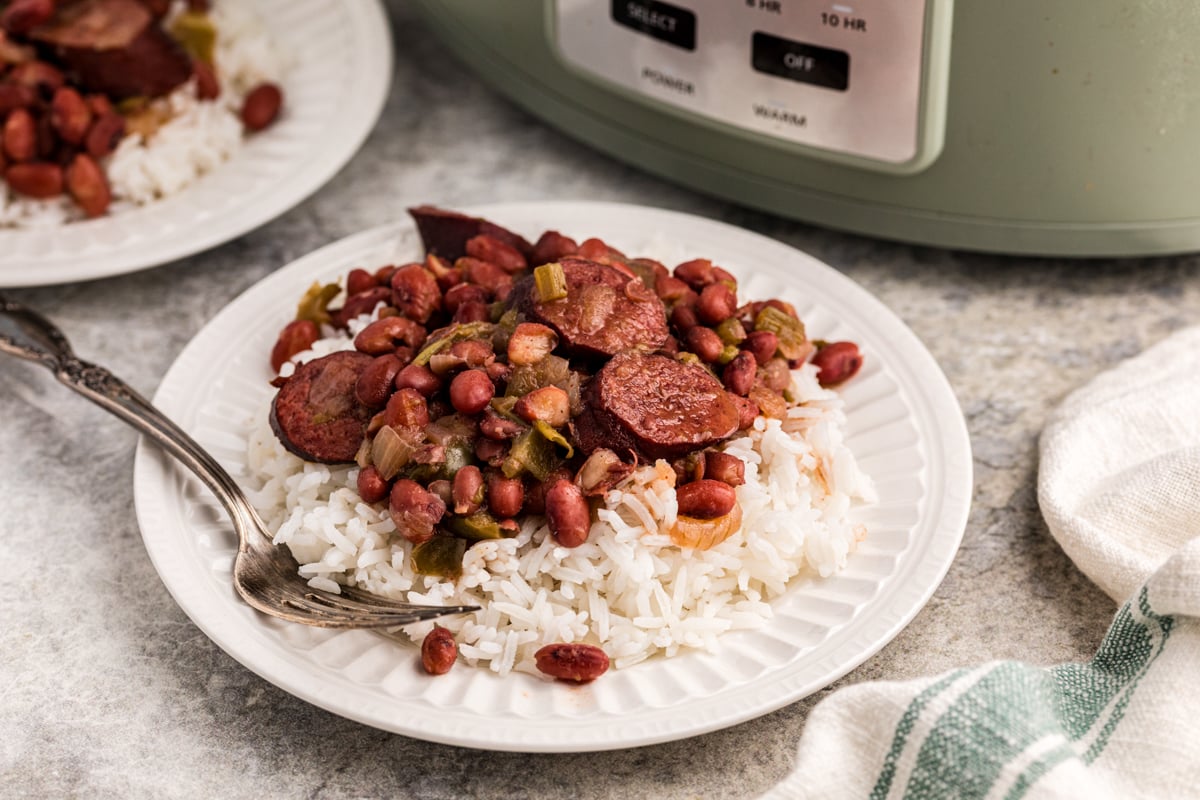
[{"x": 110, "y": 691}]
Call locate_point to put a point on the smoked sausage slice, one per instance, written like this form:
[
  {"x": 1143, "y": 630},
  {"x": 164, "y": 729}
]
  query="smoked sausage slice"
[
  {"x": 445, "y": 233},
  {"x": 316, "y": 414},
  {"x": 654, "y": 405},
  {"x": 115, "y": 47},
  {"x": 605, "y": 312}
]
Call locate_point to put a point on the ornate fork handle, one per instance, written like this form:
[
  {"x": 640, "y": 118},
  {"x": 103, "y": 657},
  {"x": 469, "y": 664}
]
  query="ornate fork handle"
[
  {"x": 26, "y": 334},
  {"x": 264, "y": 576}
]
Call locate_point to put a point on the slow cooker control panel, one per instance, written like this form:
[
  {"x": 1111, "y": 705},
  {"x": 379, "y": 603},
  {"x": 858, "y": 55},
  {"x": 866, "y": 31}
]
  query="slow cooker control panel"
[{"x": 843, "y": 76}]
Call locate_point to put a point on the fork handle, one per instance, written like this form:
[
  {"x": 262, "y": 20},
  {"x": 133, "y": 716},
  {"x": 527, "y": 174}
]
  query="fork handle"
[
  {"x": 112, "y": 394},
  {"x": 26, "y": 334}
]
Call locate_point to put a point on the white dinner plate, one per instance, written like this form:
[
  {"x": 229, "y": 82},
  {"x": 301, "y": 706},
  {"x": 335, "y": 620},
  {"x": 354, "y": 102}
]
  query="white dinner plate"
[
  {"x": 339, "y": 69},
  {"x": 904, "y": 426}
]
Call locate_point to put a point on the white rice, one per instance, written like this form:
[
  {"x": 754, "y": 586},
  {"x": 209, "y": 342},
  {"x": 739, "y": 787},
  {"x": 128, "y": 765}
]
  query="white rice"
[
  {"x": 627, "y": 589},
  {"x": 199, "y": 136}
]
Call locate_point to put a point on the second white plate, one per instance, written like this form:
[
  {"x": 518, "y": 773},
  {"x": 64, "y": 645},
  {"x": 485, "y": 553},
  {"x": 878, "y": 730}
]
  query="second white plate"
[
  {"x": 904, "y": 426},
  {"x": 340, "y": 68}
]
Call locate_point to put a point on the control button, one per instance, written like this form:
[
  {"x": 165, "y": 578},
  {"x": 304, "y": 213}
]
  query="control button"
[
  {"x": 797, "y": 61},
  {"x": 663, "y": 21}
]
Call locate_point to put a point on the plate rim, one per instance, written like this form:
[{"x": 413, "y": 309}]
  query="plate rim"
[
  {"x": 372, "y": 35},
  {"x": 949, "y": 451}
]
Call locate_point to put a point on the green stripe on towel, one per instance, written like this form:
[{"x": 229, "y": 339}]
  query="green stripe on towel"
[
  {"x": 1013, "y": 707},
  {"x": 903, "y": 728}
]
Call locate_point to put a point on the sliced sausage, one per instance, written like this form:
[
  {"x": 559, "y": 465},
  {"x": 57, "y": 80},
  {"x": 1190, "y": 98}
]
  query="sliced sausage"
[
  {"x": 446, "y": 233},
  {"x": 605, "y": 311},
  {"x": 316, "y": 415},
  {"x": 115, "y": 47},
  {"x": 657, "y": 406}
]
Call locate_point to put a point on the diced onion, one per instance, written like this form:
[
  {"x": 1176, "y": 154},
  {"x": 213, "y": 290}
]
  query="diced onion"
[
  {"x": 389, "y": 452},
  {"x": 702, "y": 534}
]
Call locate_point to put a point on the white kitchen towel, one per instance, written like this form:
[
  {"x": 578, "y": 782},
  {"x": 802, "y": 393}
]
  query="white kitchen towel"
[{"x": 1119, "y": 485}]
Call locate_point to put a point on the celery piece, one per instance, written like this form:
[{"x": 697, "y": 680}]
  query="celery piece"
[
  {"x": 732, "y": 331},
  {"x": 551, "y": 282},
  {"x": 442, "y": 339},
  {"x": 789, "y": 330}
]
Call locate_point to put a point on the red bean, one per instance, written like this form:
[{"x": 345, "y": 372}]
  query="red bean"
[
  {"x": 438, "y": 651},
  {"x": 361, "y": 303},
  {"x": 464, "y": 293},
  {"x": 20, "y": 136},
  {"x": 498, "y": 428},
  {"x": 491, "y": 249},
  {"x": 490, "y": 451},
  {"x": 838, "y": 362},
  {"x": 406, "y": 409},
  {"x": 717, "y": 303},
  {"x": 88, "y": 185},
  {"x": 472, "y": 311},
  {"x": 505, "y": 496},
  {"x": 724, "y": 467},
  {"x": 415, "y": 292},
  {"x": 70, "y": 115},
  {"x": 261, "y": 106},
  {"x": 738, "y": 375},
  {"x": 471, "y": 391},
  {"x": 447, "y": 276},
  {"x": 551, "y": 246},
  {"x": 484, "y": 273},
  {"x": 598, "y": 250},
  {"x": 705, "y": 343},
  {"x": 574, "y": 662},
  {"x": 443, "y": 489},
  {"x": 669, "y": 288},
  {"x": 762, "y": 344},
  {"x": 100, "y": 105},
  {"x": 568, "y": 513},
  {"x": 375, "y": 382},
  {"x": 474, "y": 353},
  {"x": 705, "y": 499},
  {"x": 696, "y": 273},
  {"x": 296, "y": 337},
  {"x": 386, "y": 334},
  {"x": 747, "y": 411},
  {"x": 419, "y": 378},
  {"x": 414, "y": 510},
  {"x": 359, "y": 280},
  {"x": 775, "y": 375},
  {"x": 13, "y": 96},
  {"x": 105, "y": 134},
  {"x": 383, "y": 275},
  {"x": 372, "y": 488},
  {"x": 22, "y": 16},
  {"x": 43, "y": 78},
  {"x": 683, "y": 318},
  {"x": 39, "y": 180},
  {"x": 467, "y": 490}
]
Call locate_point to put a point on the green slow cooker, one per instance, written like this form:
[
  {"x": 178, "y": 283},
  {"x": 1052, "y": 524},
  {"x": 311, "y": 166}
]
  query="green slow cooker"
[{"x": 1065, "y": 127}]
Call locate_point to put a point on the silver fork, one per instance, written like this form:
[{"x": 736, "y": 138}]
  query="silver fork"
[{"x": 264, "y": 575}]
